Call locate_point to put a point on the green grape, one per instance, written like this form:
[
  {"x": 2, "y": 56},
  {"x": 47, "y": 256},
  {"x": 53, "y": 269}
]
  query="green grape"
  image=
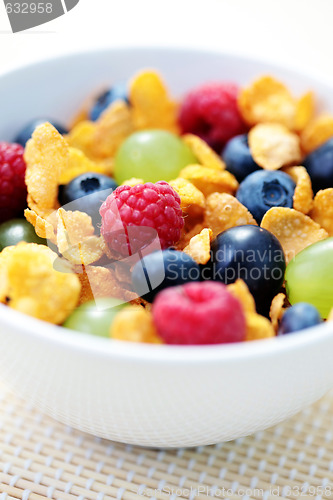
[
  {"x": 94, "y": 317},
  {"x": 16, "y": 230},
  {"x": 152, "y": 155},
  {"x": 309, "y": 277}
]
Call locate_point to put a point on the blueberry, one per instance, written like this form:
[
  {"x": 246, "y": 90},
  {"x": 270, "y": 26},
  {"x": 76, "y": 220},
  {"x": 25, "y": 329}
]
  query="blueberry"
[
  {"x": 252, "y": 254},
  {"x": 299, "y": 317},
  {"x": 319, "y": 165},
  {"x": 118, "y": 91},
  {"x": 24, "y": 135},
  {"x": 263, "y": 190},
  {"x": 238, "y": 158},
  {"x": 162, "y": 269},
  {"x": 84, "y": 193}
]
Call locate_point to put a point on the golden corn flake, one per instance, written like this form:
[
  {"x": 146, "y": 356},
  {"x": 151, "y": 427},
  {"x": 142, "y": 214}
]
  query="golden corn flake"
[
  {"x": 224, "y": 211},
  {"x": 258, "y": 327},
  {"x": 240, "y": 291},
  {"x": 81, "y": 137},
  {"x": 276, "y": 310},
  {"x": 294, "y": 230},
  {"x": 192, "y": 201},
  {"x": 43, "y": 228},
  {"x": 46, "y": 155},
  {"x": 79, "y": 164},
  {"x": 322, "y": 211},
  {"x": 134, "y": 324},
  {"x": 304, "y": 111},
  {"x": 273, "y": 146},
  {"x": 303, "y": 194},
  {"x": 97, "y": 282},
  {"x": 208, "y": 180},
  {"x": 205, "y": 155},
  {"x": 199, "y": 246},
  {"x": 152, "y": 107},
  {"x": 316, "y": 133},
  {"x": 34, "y": 287},
  {"x": 111, "y": 129},
  {"x": 267, "y": 100},
  {"x": 187, "y": 235},
  {"x": 75, "y": 238}
]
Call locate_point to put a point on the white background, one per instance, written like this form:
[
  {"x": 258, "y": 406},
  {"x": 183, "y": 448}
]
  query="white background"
[{"x": 298, "y": 33}]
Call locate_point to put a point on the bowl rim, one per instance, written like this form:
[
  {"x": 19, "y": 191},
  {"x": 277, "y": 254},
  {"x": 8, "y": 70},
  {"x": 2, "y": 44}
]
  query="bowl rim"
[{"x": 154, "y": 353}]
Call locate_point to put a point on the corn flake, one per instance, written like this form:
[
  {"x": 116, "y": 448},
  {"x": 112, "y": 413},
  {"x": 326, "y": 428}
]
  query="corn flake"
[
  {"x": 224, "y": 211},
  {"x": 152, "y": 107},
  {"x": 134, "y": 324},
  {"x": 75, "y": 238},
  {"x": 317, "y": 132},
  {"x": 132, "y": 182},
  {"x": 277, "y": 309},
  {"x": 273, "y": 146},
  {"x": 205, "y": 155},
  {"x": 258, "y": 327},
  {"x": 34, "y": 287},
  {"x": 81, "y": 137},
  {"x": 111, "y": 129},
  {"x": 330, "y": 316},
  {"x": 43, "y": 228},
  {"x": 322, "y": 211},
  {"x": 192, "y": 201},
  {"x": 97, "y": 282},
  {"x": 294, "y": 230},
  {"x": 304, "y": 111},
  {"x": 303, "y": 194},
  {"x": 267, "y": 100},
  {"x": 199, "y": 246},
  {"x": 79, "y": 164},
  {"x": 46, "y": 155},
  {"x": 240, "y": 291},
  {"x": 208, "y": 180}
]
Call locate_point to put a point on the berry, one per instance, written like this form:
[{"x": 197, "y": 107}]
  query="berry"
[
  {"x": 263, "y": 190},
  {"x": 84, "y": 192},
  {"x": 211, "y": 112},
  {"x": 319, "y": 165},
  {"x": 199, "y": 313},
  {"x": 104, "y": 100},
  {"x": 152, "y": 155},
  {"x": 252, "y": 254},
  {"x": 132, "y": 217},
  {"x": 13, "y": 190},
  {"x": 238, "y": 158},
  {"x": 160, "y": 270},
  {"x": 309, "y": 276},
  {"x": 24, "y": 135},
  {"x": 15, "y": 230},
  {"x": 94, "y": 317},
  {"x": 299, "y": 317}
]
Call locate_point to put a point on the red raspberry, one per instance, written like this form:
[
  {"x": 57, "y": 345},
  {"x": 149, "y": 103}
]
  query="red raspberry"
[
  {"x": 13, "y": 190},
  {"x": 132, "y": 217},
  {"x": 211, "y": 112},
  {"x": 199, "y": 313}
]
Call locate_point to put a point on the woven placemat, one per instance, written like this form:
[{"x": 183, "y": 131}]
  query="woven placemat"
[{"x": 40, "y": 458}]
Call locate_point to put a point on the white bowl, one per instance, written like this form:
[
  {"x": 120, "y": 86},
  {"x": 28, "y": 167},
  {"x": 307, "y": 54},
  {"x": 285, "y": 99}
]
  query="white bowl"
[{"x": 150, "y": 394}]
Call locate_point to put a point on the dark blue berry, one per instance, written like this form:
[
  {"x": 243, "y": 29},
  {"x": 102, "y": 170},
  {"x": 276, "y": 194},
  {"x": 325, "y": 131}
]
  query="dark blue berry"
[
  {"x": 319, "y": 165},
  {"x": 117, "y": 92},
  {"x": 263, "y": 190},
  {"x": 24, "y": 135},
  {"x": 163, "y": 269},
  {"x": 252, "y": 254},
  {"x": 237, "y": 156},
  {"x": 86, "y": 193},
  {"x": 299, "y": 317}
]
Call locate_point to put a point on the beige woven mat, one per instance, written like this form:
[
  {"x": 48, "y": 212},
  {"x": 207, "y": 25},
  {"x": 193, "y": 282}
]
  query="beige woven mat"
[{"x": 40, "y": 458}]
